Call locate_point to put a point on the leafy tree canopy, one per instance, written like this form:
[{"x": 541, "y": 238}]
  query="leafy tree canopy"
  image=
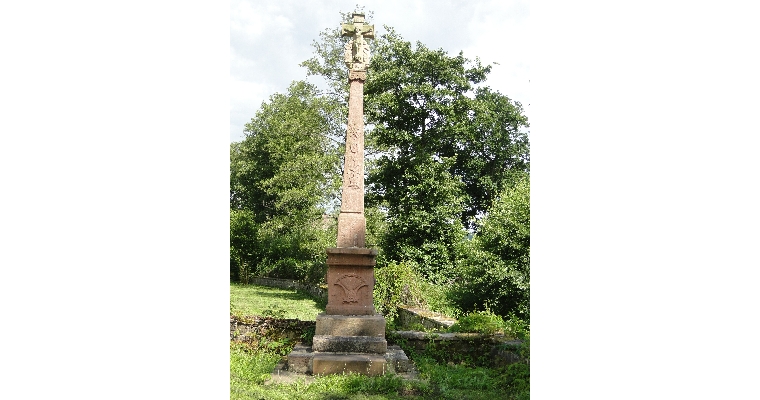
[
  {"x": 286, "y": 163},
  {"x": 426, "y": 106},
  {"x": 496, "y": 264},
  {"x": 440, "y": 144},
  {"x": 283, "y": 176}
]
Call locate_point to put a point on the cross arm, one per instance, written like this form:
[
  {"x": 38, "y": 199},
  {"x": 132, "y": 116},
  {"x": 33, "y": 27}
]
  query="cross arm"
[{"x": 367, "y": 31}]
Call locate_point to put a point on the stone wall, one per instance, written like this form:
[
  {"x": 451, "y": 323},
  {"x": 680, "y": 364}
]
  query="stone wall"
[
  {"x": 473, "y": 348},
  {"x": 409, "y": 317},
  {"x": 251, "y": 328},
  {"x": 486, "y": 350}
]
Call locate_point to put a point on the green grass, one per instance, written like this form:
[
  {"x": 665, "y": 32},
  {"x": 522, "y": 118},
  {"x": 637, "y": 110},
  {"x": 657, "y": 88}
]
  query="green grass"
[
  {"x": 266, "y": 301},
  {"x": 249, "y": 369},
  {"x": 251, "y": 366}
]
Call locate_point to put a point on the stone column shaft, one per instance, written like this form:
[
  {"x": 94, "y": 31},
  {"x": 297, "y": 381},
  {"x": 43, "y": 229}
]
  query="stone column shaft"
[{"x": 351, "y": 221}]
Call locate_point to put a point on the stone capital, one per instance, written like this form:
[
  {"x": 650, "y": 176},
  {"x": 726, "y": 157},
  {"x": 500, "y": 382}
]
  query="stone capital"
[{"x": 357, "y": 75}]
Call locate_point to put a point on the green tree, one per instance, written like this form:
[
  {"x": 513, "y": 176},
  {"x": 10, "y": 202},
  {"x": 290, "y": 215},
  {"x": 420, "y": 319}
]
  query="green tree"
[
  {"x": 283, "y": 177},
  {"x": 447, "y": 148},
  {"x": 495, "y": 271},
  {"x": 441, "y": 147},
  {"x": 426, "y": 107}
]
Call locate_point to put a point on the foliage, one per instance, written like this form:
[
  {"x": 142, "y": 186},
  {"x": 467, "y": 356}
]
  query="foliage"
[
  {"x": 495, "y": 266},
  {"x": 427, "y": 108},
  {"x": 249, "y": 368},
  {"x": 506, "y": 231},
  {"x": 283, "y": 176},
  {"x": 396, "y": 284},
  {"x": 484, "y": 322},
  {"x": 517, "y": 328},
  {"x": 460, "y": 381},
  {"x": 488, "y": 323},
  {"x": 286, "y": 162},
  {"x": 517, "y": 380},
  {"x": 423, "y": 225},
  {"x": 445, "y": 149}
]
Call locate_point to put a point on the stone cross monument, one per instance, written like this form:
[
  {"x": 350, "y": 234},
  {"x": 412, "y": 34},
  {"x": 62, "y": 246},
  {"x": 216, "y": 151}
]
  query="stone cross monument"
[
  {"x": 350, "y": 335},
  {"x": 350, "y": 274},
  {"x": 351, "y": 222}
]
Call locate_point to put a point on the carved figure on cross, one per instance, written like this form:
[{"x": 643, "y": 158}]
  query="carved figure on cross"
[{"x": 356, "y": 51}]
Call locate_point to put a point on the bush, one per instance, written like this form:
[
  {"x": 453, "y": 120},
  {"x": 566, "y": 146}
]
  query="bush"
[
  {"x": 495, "y": 266},
  {"x": 396, "y": 284},
  {"x": 280, "y": 248},
  {"x": 484, "y": 322}
]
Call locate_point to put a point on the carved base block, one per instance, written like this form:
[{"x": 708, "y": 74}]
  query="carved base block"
[{"x": 350, "y": 281}]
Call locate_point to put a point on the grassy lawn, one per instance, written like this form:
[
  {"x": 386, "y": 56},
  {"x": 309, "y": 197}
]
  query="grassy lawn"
[
  {"x": 266, "y": 301},
  {"x": 251, "y": 365},
  {"x": 250, "y": 368}
]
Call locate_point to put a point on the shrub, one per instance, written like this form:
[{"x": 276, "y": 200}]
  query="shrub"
[
  {"x": 396, "y": 284},
  {"x": 495, "y": 266},
  {"x": 484, "y": 322}
]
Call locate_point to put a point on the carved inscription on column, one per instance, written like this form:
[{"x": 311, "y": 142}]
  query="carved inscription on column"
[{"x": 354, "y": 173}]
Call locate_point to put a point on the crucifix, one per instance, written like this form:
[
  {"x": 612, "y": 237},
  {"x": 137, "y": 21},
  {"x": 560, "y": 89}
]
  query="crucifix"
[{"x": 356, "y": 51}]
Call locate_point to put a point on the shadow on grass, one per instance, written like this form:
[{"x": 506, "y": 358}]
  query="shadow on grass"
[{"x": 280, "y": 295}]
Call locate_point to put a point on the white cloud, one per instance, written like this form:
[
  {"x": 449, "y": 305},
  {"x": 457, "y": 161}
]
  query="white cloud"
[
  {"x": 269, "y": 39},
  {"x": 245, "y": 21},
  {"x": 245, "y": 98}
]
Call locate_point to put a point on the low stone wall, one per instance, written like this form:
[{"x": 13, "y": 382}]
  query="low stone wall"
[
  {"x": 314, "y": 290},
  {"x": 409, "y": 317},
  {"x": 485, "y": 350},
  {"x": 251, "y": 329}
]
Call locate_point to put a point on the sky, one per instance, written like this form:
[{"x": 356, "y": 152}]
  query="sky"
[{"x": 269, "y": 39}]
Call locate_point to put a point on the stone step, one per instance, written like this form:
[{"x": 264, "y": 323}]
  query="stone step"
[
  {"x": 350, "y": 344},
  {"x": 365, "y": 364},
  {"x": 397, "y": 360},
  {"x": 350, "y": 325},
  {"x": 301, "y": 361}
]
